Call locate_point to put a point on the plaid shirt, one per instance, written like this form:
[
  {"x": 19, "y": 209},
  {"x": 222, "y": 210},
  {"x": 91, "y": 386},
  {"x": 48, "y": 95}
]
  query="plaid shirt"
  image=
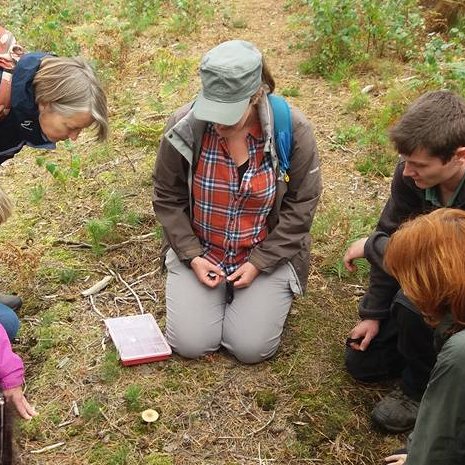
[{"x": 230, "y": 218}]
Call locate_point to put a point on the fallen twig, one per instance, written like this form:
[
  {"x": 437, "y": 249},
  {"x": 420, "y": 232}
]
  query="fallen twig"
[
  {"x": 94, "y": 308},
  {"x": 268, "y": 423},
  {"x": 47, "y": 448},
  {"x": 141, "y": 238},
  {"x": 72, "y": 244},
  {"x": 106, "y": 247},
  {"x": 97, "y": 287},
  {"x": 133, "y": 292},
  {"x": 150, "y": 273},
  {"x": 65, "y": 423}
]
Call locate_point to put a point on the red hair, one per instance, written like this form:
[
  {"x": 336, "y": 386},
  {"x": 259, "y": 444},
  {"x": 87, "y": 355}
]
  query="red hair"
[{"x": 427, "y": 256}]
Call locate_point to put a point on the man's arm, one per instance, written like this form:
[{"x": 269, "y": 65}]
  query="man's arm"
[{"x": 406, "y": 201}]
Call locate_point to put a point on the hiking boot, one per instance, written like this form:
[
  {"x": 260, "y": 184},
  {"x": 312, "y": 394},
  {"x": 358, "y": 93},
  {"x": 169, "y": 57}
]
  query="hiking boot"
[
  {"x": 12, "y": 301},
  {"x": 396, "y": 413}
]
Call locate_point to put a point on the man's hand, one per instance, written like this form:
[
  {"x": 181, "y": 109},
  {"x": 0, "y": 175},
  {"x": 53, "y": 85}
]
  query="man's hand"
[
  {"x": 206, "y": 272},
  {"x": 397, "y": 459},
  {"x": 366, "y": 330},
  {"x": 355, "y": 250},
  {"x": 244, "y": 275},
  {"x": 16, "y": 397}
]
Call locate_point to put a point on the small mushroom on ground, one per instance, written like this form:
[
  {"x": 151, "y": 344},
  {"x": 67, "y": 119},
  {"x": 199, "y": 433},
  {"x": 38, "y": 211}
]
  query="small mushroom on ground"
[{"x": 150, "y": 415}]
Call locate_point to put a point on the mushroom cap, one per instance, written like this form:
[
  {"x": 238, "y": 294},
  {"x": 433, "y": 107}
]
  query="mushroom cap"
[{"x": 150, "y": 415}]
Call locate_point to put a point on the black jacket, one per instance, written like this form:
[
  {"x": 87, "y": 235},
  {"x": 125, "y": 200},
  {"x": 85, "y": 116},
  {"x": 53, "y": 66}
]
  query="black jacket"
[
  {"x": 21, "y": 126},
  {"x": 406, "y": 201}
]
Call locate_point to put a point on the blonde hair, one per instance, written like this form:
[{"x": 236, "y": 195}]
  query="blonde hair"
[
  {"x": 426, "y": 256},
  {"x": 6, "y": 206},
  {"x": 69, "y": 85}
]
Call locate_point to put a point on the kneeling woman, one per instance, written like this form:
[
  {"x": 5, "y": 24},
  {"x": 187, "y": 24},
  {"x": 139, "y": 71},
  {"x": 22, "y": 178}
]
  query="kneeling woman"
[
  {"x": 427, "y": 257},
  {"x": 237, "y": 225}
]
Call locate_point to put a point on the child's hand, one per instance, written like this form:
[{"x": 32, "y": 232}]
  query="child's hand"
[{"x": 16, "y": 397}]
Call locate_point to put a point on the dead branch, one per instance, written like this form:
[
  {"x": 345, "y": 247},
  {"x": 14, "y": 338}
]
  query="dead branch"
[
  {"x": 94, "y": 308},
  {"x": 268, "y": 423},
  {"x": 141, "y": 238},
  {"x": 133, "y": 292},
  {"x": 97, "y": 287},
  {"x": 47, "y": 448}
]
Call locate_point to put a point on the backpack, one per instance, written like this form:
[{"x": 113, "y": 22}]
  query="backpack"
[
  {"x": 283, "y": 133},
  {"x": 10, "y": 53}
]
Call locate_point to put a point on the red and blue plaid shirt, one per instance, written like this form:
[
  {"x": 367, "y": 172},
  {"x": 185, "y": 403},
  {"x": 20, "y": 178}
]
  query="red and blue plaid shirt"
[{"x": 229, "y": 216}]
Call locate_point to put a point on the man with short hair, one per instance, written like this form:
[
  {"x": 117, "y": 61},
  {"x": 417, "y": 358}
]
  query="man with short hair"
[{"x": 392, "y": 339}]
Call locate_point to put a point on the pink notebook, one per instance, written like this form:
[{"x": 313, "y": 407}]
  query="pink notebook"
[{"x": 138, "y": 339}]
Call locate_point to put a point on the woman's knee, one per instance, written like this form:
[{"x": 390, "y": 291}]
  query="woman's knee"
[
  {"x": 252, "y": 351},
  {"x": 10, "y": 321},
  {"x": 190, "y": 346}
]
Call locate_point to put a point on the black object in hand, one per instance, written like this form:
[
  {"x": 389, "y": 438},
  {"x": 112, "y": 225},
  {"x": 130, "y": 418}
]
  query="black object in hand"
[{"x": 354, "y": 340}]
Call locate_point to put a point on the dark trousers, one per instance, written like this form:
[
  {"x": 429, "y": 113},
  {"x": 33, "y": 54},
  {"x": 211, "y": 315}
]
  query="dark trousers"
[{"x": 403, "y": 347}]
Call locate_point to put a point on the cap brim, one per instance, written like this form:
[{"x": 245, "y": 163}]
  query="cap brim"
[{"x": 218, "y": 112}]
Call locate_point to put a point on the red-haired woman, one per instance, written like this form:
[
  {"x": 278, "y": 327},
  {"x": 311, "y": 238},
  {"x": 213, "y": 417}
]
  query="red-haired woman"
[{"x": 427, "y": 257}]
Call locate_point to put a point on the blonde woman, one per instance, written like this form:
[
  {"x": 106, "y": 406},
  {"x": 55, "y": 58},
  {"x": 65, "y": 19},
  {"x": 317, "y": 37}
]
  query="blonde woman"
[
  {"x": 426, "y": 257},
  {"x": 47, "y": 99},
  {"x": 52, "y": 99}
]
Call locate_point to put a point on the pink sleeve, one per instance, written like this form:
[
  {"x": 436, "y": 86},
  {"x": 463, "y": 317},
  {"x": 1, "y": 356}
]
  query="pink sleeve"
[{"x": 11, "y": 365}]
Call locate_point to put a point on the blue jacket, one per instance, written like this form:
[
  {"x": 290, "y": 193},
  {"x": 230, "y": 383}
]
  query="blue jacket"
[{"x": 21, "y": 127}]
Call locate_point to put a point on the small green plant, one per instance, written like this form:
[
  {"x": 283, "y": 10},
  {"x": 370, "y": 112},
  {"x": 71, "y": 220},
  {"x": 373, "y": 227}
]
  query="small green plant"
[
  {"x": 102, "y": 229},
  {"x": 37, "y": 193},
  {"x": 132, "y": 396},
  {"x": 143, "y": 135},
  {"x": 67, "y": 275},
  {"x": 266, "y": 399},
  {"x": 110, "y": 369},
  {"x": 358, "y": 100},
  {"x": 97, "y": 231},
  {"x": 348, "y": 134},
  {"x": 90, "y": 409},
  {"x": 290, "y": 92},
  {"x": 62, "y": 174},
  {"x": 378, "y": 164},
  {"x": 334, "y": 229}
]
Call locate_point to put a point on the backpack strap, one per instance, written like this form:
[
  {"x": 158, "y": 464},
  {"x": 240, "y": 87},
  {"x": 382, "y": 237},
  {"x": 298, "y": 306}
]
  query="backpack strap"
[
  {"x": 283, "y": 133},
  {"x": 10, "y": 53}
]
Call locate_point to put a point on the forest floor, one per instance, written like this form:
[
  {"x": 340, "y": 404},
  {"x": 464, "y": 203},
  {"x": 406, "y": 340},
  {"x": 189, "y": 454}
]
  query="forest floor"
[{"x": 298, "y": 408}]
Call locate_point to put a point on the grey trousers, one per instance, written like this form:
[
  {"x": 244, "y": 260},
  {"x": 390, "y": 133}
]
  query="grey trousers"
[{"x": 199, "y": 320}]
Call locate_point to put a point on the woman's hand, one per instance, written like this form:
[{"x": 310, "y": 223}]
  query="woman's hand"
[
  {"x": 16, "y": 397},
  {"x": 398, "y": 459},
  {"x": 244, "y": 275},
  {"x": 207, "y": 273}
]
